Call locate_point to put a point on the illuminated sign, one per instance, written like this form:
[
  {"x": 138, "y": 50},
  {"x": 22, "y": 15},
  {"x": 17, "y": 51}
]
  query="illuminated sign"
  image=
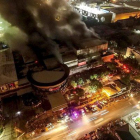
[
  {"x": 53, "y": 89},
  {"x": 82, "y": 63}
]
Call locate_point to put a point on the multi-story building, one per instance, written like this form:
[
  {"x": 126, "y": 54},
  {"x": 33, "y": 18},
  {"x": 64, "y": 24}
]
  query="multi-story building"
[
  {"x": 108, "y": 13},
  {"x": 8, "y": 76},
  {"x": 133, "y": 121},
  {"x": 90, "y": 46}
]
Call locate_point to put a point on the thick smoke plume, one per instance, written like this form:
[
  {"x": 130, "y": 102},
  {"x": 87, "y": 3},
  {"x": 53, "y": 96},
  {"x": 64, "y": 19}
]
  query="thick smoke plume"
[{"x": 44, "y": 20}]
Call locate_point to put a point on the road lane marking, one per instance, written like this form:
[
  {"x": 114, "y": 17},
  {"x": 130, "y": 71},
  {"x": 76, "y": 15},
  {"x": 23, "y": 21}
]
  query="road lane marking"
[
  {"x": 104, "y": 113},
  {"x": 72, "y": 133},
  {"x": 92, "y": 119},
  {"x": 98, "y": 121}
]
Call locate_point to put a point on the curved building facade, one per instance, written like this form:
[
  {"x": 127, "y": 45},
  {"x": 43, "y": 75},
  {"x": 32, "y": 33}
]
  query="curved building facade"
[{"x": 50, "y": 81}]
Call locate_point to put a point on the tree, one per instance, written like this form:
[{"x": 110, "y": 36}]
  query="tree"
[
  {"x": 106, "y": 73},
  {"x": 126, "y": 79},
  {"x": 95, "y": 76},
  {"x": 97, "y": 83},
  {"x": 94, "y": 86},
  {"x": 80, "y": 92},
  {"x": 80, "y": 81},
  {"x": 111, "y": 66},
  {"x": 102, "y": 75},
  {"x": 73, "y": 84},
  {"x": 91, "y": 77},
  {"x": 91, "y": 89},
  {"x": 88, "y": 81}
]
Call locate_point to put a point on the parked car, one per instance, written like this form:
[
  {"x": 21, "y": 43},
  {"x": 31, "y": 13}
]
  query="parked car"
[
  {"x": 93, "y": 110},
  {"x": 83, "y": 112},
  {"x": 86, "y": 109}
]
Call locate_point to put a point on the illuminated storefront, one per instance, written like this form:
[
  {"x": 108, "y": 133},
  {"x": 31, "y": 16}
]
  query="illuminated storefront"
[{"x": 7, "y": 87}]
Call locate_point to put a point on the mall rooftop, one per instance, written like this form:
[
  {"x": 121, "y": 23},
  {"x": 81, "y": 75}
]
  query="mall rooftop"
[{"x": 89, "y": 43}]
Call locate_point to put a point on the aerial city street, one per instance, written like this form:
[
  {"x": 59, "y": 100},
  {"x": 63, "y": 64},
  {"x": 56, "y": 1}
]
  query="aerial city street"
[{"x": 69, "y": 70}]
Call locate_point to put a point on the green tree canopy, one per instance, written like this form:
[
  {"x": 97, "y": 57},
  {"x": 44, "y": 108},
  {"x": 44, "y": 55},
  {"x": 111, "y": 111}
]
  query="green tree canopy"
[
  {"x": 111, "y": 66},
  {"x": 97, "y": 83},
  {"x": 126, "y": 79},
  {"x": 94, "y": 86},
  {"x": 80, "y": 92},
  {"x": 92, "y": 89},
  {"x": 73, "y": 84},
  {"x": 88, "y": 81},
  {"x": 80, "y": 81},
  {"x": 94, "y": 76}
]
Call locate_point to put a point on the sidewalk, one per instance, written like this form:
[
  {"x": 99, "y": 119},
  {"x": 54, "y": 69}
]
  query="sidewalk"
[{"x": 2, "y": 133}]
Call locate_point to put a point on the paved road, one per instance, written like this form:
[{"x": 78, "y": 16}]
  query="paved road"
[
  {"x": 9, "y": 109},
  {"x": 90, "y": 122},
  {"x": 9, "y": 133}
]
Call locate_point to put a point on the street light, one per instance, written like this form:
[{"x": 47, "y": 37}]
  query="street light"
[
  {"x": 18, "y": 113},
  {"x": 131, "y": 95}
]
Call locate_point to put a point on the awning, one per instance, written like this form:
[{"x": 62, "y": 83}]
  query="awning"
[{"x": 57, "y": 101}]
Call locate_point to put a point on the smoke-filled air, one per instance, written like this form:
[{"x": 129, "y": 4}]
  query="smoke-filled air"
[{"x": 40, "y": 21}]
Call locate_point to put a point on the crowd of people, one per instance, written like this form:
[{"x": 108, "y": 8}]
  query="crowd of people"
[
  {"x": 106, "y": 132},
  {"x": 41, "y": 124}
]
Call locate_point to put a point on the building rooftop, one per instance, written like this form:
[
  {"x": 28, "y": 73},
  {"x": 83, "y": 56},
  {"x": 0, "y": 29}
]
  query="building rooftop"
[
  {"x": 51, "y": 63},
  {"x": 48, "y": 76},
  {"x": 29, "y": 58},
  {"x": 124, "y": 133},
  {"x": 57, "y": 101},
  {"x": 69, "y": 57},
  {"x": 93, "y": 10},
  {"x": 136, "y": 49},
  {"x": 109, "y": 91},
  {"x": 120, "y": 84},
  {"x": 133, "y": 3},
  {"x": 7, "y": 67},
  {"x": 89, "y": 43},
  {"x": 24, "y": 90},
  {"x": 23, "y": 81},
  {"x": 121, "y": 10},
  {"x": 133, "y": 119},
  {"x": 107, "y": 54}
]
